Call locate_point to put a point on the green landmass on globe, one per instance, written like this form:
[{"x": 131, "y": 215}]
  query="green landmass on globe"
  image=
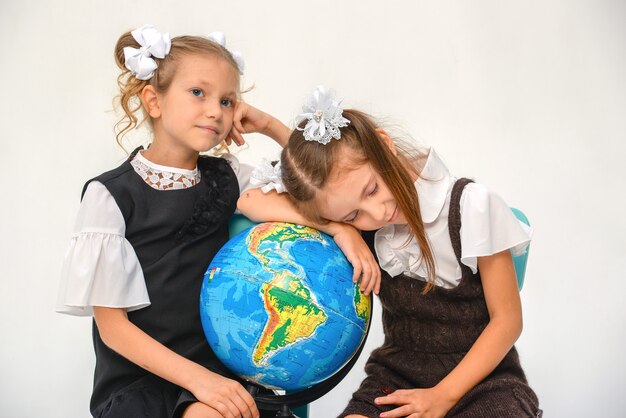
[
  {"x": 293, "y": 312},
  {"x": 279, "y": 307}
]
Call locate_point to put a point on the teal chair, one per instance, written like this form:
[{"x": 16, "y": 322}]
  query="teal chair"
[
  {"x": 238, "y": 223},
  {"x": 520, "y": 260}
]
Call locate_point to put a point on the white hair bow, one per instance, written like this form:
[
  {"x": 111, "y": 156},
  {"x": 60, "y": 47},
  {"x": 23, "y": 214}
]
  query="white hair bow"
[
  {"x": 218, "y": 37},
  {"x": 268, "y": 176},
  {"x": 153, "y": 44},
  {"x": 324, "y": 114}
]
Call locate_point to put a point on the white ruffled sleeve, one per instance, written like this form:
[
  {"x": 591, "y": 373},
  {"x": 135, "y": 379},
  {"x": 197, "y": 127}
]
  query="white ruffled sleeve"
[
  {"x": 488, "y": 226},
  {"x": 100, "y": 267}
]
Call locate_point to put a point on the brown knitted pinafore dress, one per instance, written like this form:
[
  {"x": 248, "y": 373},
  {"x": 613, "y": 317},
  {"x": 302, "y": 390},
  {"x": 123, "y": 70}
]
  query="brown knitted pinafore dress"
[{"x": 426, "y": 336}]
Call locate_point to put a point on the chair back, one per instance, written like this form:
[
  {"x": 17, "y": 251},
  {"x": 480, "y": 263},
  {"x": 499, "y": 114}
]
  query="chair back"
[{"x": 521, "y": 260}]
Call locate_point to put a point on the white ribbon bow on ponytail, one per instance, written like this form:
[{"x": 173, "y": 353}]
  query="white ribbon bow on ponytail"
[
  {"x": 324, "y": 115},
  {"x": 218, "y": 37},
  {"x": 153, "y": 44}
]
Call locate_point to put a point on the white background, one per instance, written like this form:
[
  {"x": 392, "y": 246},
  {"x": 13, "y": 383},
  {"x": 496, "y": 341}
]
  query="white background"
[{"x": 528, "y": 97}]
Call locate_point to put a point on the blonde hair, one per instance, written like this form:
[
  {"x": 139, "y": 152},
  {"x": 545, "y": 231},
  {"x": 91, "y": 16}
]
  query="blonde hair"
[
  {"x": 308, "y": 165},
  {"x": 131, "y": 87}
]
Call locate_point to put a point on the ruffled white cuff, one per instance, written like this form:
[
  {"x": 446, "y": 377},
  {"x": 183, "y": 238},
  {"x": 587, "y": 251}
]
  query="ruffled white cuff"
[
  {"x": 101, "y": 270},
  {"x": 488, "y": 226},
  {"x": 100, "y": 267}
]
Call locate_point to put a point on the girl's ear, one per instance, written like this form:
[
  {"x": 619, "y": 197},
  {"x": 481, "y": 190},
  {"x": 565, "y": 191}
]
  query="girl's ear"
[
  {"x": 387, "y": 140},
  {"x": 150, "y": 101}
]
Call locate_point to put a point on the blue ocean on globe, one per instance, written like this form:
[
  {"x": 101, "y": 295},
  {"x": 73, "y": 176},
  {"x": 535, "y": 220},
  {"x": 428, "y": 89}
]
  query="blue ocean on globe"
[{"x": 279, "y": 308}]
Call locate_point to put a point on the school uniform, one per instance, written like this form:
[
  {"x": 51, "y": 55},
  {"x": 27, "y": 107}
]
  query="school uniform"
[
  {"x": 144, "y": 236},
  {"x": 427, "y": 335}
]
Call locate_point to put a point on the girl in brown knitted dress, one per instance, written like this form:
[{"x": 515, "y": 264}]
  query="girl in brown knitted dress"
[{"x": 451, "y": 306}]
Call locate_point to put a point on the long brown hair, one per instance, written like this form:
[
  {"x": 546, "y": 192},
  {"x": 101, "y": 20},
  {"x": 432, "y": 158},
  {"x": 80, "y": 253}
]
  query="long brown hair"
[
  {"x": 308, "y": 165},
  {"x": 131, "y": 87}
]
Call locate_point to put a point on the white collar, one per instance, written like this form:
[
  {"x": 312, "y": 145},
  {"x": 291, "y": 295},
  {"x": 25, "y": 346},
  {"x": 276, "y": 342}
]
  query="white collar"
[
  {"x": 432, "y": 187},
  {"x": 185, "y": 172},
  {"x": 391, "y": 240}
]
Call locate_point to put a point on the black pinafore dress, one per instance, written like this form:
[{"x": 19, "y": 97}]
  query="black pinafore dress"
[{"x": 175, "y": 235}]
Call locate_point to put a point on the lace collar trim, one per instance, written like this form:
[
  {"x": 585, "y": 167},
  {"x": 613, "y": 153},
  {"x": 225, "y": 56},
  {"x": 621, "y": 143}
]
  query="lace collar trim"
[{"x": 161, "y": 177}]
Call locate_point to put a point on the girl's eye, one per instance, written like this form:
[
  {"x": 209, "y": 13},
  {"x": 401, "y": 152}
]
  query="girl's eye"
[
  {"x": 197, "y": 92},
  {"x": 373, "y": 192},
  {"x": 353, "y": 218},
  {"x": 226, "y": 102}
]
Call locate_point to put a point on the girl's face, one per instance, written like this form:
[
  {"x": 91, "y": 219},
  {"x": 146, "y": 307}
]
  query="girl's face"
[
  {"x": 358, "y": 196},
  {"x": 196, "y": 112}
]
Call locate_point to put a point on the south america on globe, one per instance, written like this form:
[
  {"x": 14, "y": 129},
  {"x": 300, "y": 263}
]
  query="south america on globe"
[{"x": 279, "y": 308}]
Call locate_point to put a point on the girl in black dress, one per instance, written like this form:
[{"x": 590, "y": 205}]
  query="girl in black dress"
[{"x": 147, "y": 230}]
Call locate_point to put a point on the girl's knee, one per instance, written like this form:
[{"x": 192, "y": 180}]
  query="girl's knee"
[{"x": 200, "y": 410}]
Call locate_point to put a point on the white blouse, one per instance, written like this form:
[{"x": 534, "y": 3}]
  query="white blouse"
[
  {"x": 100, "y": 266},
  {"x": 488, "y": 226}
]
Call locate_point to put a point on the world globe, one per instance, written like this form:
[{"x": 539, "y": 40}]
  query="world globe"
[{"x": 279, "y": 308}]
